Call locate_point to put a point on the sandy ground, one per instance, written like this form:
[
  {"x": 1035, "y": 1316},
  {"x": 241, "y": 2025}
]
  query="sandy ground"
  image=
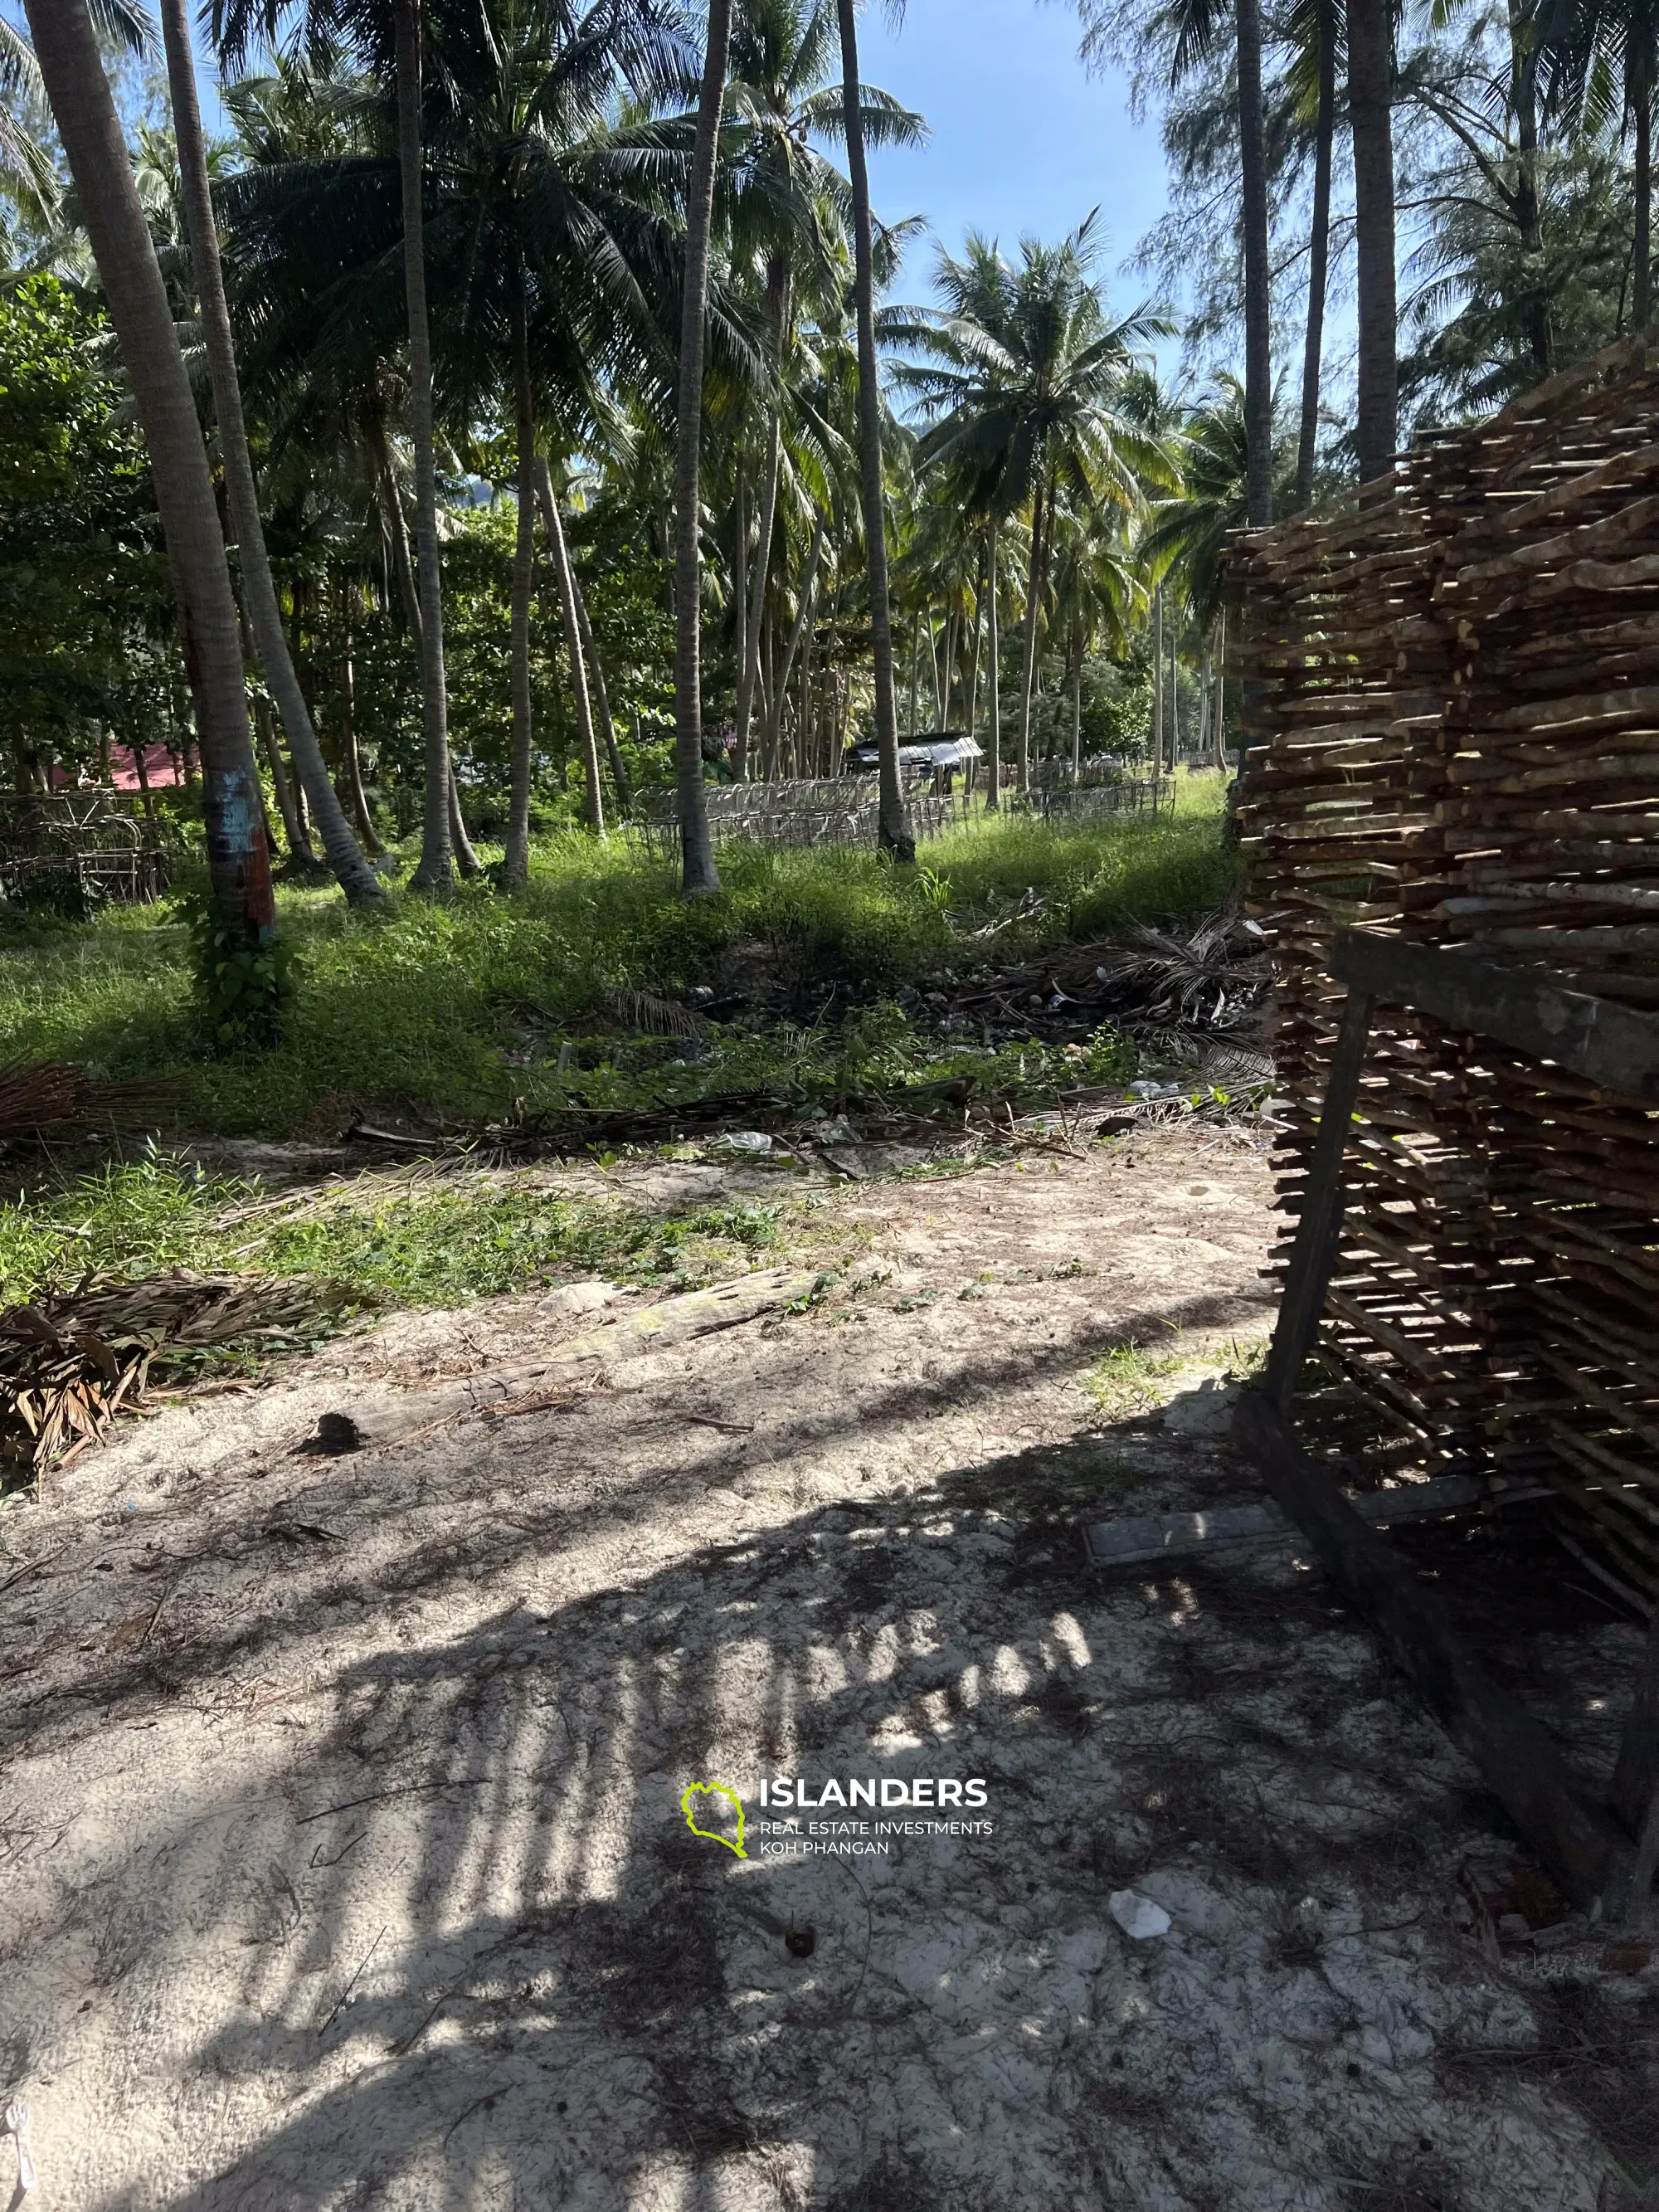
[{"x": 341, "y": 1828}]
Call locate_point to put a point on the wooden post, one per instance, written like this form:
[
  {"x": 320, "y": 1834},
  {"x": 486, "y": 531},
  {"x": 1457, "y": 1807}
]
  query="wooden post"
[
  {"x": 1635, "y": 1774},
  {"x": 1313, "y": 1255},
  {"x": 1575, "y": 1838}
]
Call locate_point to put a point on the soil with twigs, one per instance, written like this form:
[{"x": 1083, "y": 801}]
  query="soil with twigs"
[{"x": 342, "y": 1770}]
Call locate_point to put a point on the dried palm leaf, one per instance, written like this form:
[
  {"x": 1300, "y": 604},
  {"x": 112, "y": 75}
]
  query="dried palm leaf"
[
  {"x": 73, "y": 1360},
  {"x": 36, "y": 1095},
  {"x": 639, "y": 1010}
]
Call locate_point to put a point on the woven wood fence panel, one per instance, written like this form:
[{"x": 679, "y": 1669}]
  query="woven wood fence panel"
[{"x": 1455, "y": 711}]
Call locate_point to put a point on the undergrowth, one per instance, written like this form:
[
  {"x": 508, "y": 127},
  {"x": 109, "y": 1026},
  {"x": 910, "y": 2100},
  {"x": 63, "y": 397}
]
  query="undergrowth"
[
  {"x": 440, "y": 1241},
  {"x": 425, "y": 1008}
]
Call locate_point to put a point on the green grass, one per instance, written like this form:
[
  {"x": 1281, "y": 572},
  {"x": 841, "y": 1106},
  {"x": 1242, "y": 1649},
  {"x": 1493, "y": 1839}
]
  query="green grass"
[
  {"x": 421, "y": 1244},
  {"x": 418, "y": 1009}
]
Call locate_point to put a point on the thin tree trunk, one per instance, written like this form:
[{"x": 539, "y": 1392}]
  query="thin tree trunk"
[
  {"x": 696, "y": 847},
  {"x": 778, "y": 286},
  {"x": 565, "y": 582},
  {"x": 979, "y": 642},
  {"x": 993, "y": 764},
  {"x": 460, "y": 844},
  {"x": 802, "y": 623},
  {"x": 436, "y": 869},
  {"x": 600, "y": 695},
  {"x": 298, "y": 845},
  {"x": 515, "y": 856},
  {"x": 1158, "y": 684},
  {"x": 1523, "y": 100},
  {"x": 895, "y": 834},
  {"x": 1642, "y": 272},
  {"x": 1076, "y": 706},
  {"x": 1033, "y": 615},
  {"x": 1175, "y": 698},
  {"x": 1258, "y": 278},
  {"x": 1371, "y": 98},
  {"x": 362, "y": 886},
  {"x": 1319, "y": 248},
  {"x": 238, "y": 858},
  {"x": 739, "y": 598},
  {"x": 1221, "y": 689},
  {"x": 366, "y": 829},
  {"x": 933, "y": 662},
  {"x": 915, "y": 678}
]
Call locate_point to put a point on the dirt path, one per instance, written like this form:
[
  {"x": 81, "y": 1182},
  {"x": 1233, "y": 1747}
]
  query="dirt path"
[{"x": 341, "y": 1823}]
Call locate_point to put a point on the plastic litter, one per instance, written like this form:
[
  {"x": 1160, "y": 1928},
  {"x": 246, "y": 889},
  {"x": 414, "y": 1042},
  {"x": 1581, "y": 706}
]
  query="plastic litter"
[
  {"x": 17, "y": 2124},
  {"x": 1137, "y": 1916},
  {"x": 743, "y": 1141}
]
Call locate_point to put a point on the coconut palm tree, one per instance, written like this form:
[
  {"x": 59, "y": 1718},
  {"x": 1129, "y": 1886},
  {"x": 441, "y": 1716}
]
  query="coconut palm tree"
[
  {"x": 894, "y": 831},
  {"x": 1192, "y": 31},
  {"x": 1317, "y": 31},
  {"x": 549, "y": 240},
  {"x": 1026, "y": 380},
  {"x": 784, "y": 208},
  {"x": 1371, "y": 106},
  {"x": 395, "y": 31},
  {"x": 84, "y": 109},
  {"x": 700, "y": 876},
  {"x": 356, "y": 878}
]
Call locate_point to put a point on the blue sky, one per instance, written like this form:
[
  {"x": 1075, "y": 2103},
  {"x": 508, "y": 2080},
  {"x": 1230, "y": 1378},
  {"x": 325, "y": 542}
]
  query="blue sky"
[{"x": 1023, "y": 138}]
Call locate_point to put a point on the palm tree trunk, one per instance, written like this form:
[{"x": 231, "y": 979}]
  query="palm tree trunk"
[
  {"x": 778, "y": 286},
  {"x": 1158, "y": 684},
  {"x": 565, "y": 581},
  {"x": 600, "y": 693},
  {"x": 700, "y": 875},
  {"x": 1077, "y": 707},
  {"x": 994, "y": 762},
  {"x": 362, "y": 886},
  {"x": 298, "y": 845},
  {"x": 435, "y": 872},
  {"x": 1642, "y": 270},
  {"x": 802, "y": 623},
  {"x": 1033, "y": 615},
  {"x": 1523, "y": 102},
  {"x": 1371, "y": 98},
  {"x": 460, "y": 844},
  {"x": 238, "y": 858},
  {"x": 1258, "y": 275},
  {"x": 366, "y": 829},
  {"x": 1220, "y": 715},
  {"x": 979, "y": 642},
  {"x": 515, "y": 857},
  {"x": 1319, "y": 248},
  {"x": 895, "y": 834},
  {"x": 915, "y": 678}
]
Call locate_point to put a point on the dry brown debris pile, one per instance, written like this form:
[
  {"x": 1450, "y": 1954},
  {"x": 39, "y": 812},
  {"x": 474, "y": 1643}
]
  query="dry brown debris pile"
[
  {"x": 72, "y": 1359},
  {"x": 50, "y": 1095}
]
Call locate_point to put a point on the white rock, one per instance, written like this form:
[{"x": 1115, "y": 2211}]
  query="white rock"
[{"x": 1137, "y": 1916}]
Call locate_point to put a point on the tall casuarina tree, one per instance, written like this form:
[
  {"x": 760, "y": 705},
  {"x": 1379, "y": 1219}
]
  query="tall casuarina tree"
[
  {"x": 696, "y": 845},
  {"x": 1371, "y": 100},
  {"x": 1599, "y": 63},
  {"x": 72, "y": 72},
  {"x": 893, "y": 833},
  {"x": 1195, "y": 27},
  {"x": 356, "y": 878}
]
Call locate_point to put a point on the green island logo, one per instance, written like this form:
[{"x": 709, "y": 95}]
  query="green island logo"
[{"x": 714, "y": 1790}]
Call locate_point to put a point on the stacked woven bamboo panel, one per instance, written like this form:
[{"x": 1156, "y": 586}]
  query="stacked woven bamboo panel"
[{"x": 1453, "y": 694}]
